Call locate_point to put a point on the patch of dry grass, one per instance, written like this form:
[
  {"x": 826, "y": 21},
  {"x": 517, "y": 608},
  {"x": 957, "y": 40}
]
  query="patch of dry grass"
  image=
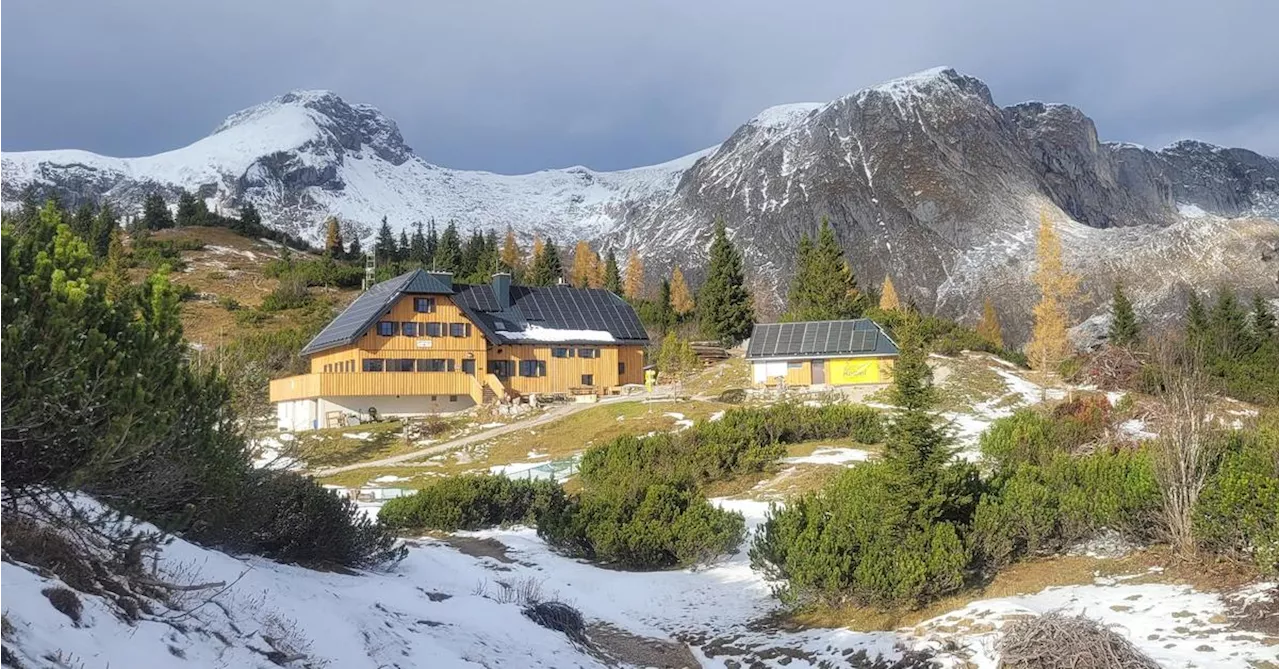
[{"x": 716, "y": 378}]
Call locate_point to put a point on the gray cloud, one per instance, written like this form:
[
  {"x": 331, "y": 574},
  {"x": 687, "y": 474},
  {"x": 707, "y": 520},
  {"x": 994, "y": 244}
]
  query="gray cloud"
[{"x": 515, "y": 86}]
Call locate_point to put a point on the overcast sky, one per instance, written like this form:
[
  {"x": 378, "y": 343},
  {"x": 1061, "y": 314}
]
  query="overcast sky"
[{"x": 514, "y": 86}]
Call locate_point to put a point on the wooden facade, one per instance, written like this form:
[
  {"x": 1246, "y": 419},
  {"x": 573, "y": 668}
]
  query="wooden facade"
[{"x": 467, "y": 357}]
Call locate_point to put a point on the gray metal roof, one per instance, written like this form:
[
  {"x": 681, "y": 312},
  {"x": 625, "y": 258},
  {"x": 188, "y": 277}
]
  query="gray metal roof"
[
  {"x": 555, "y": 307},
  {"x": 858, "y": 337},
  {"x": 361, "y": 314}
]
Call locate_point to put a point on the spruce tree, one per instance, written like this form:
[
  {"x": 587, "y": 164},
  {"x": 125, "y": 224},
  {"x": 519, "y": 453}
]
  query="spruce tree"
[
  {"x": 472, "y": 254},
  {"x": 384, "y": 247},
  {"x": 612, "y": 278},
  {"x": 824, "y": 287},
  {"x": 354, "y": 251},
  {"x": 1197, "y": 319},
  {"x": 1124, "y": 323},
  {"x": 188, "y": 213},
  {"x": 665, "y": 314},
  {"x": 1263, "y": 321},
  {"x": 100, "y": 235},
  {"x": 546, "y": 269},
  {"x": 82, "y": 221},
  {"x": 448, "y": 256},
  {"x": 1228, "y": 325},
  {"x": 402, "y": 247},
  {"x": 250, "y": 220},
  {"x": 333, "y": 246},
  {"x": 433, "y": 241},
  {"x": 155, "y": 213},
  {"x": 726, "y": 310},
  {"x": 418, "y": 246}
]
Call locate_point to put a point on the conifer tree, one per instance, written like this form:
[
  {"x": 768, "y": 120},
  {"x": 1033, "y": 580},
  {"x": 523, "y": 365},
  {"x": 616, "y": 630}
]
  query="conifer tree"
[
  {"x": 354, "y": 251},
  {"x": 116, "y": 272},
  {"x": 681, "y": 299},
  {"x": 100, "y": 235},
  {"x": 433, "y": 242},
  {"x": 726, "y": 309},
  {"x": 472, "y": 254},
  {"x": 402, "y": 247},
  {"x": 1263, "y": 321},
  {"x": 384, "y": 245},
  {"x": 586, "y": 271},
  {"x": 1228, "y": 325},
  {"x": 188, "y": 212},
  {"x": 155, "y": 213},
  {"x": 82, "y": 222},
  {"x": 665, "y": 314},
  {"x": 1197, "y": 319},
  {"x": 333, "y": 246},
  {"x": 612, "y": 277},
  {"x": 418, "y": 246},
  {"x": 536, "y": 250},
  {"x": 1049, "y": 344},
  {"x": 824, "y": 287},
  {"x": 889, "y": 296},
  {"x": 250, "y": 220},
  {"x": 989, "y": 325},
  {"x": 448, "y": 257},
  {"x": 546, "y": 269},
  {"x": 512, "y": 255},
  {"x": 1124, "y": 323},
  {"x": 633, "y": 287}
]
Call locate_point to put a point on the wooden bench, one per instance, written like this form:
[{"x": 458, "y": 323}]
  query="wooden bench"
[{"x": 582, "y": 390}]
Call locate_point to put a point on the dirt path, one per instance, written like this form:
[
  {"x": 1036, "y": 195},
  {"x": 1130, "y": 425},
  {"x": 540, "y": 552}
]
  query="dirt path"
[{"x": 555, "y": 413}]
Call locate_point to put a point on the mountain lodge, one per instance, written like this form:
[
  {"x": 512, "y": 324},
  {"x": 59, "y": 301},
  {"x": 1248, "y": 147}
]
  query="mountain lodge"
[{"x": 419, "y": 344}]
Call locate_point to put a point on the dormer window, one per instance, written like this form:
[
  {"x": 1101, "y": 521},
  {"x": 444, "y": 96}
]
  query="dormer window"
[{"x": 424, "y": 305}]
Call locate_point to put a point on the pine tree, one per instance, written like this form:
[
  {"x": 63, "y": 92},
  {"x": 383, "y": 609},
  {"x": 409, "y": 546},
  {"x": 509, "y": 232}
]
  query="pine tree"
[
  {"x": 1124, "y": 323},
  {"x": 586, "y": 271},
  {"x": 384, "y": 247},
  {"x": 1049, "y": 344},
  {"x": 681, "y": 299},
  {"x": 546, "y": 269},
  {"x": 1228, "y": 326},
  {"x": 250, "y": 220},
  {"x": 512, "y": 255},
  {"x": 333, "y": 246},
  {"x": 1197, "y": 319},
  {"x": 726, "y": 310},
  {"x": 448, "y": 257},
  {"x": 989, "y": 325},
  {"x": 1264, "y": 322},
  {"x": 824, "y": 287},
  {"x": 100, "y": 233},
  {"x": 418, "y": 246},
  {"x": 889, "y": 296},
  {"x": 82, "y": 222},
  {"x": 612, "y": 277},
  {"x": 188, "y": 213},
  {"x": 117, "y": 276},
  {"x": 155, "y": 213},
  {"x": 633, "y": 287}
]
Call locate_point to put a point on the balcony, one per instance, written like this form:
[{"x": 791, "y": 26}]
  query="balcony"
[{"x": 361, "y": 384}]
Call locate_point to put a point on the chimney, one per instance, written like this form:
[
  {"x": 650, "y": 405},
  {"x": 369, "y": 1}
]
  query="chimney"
[
  {"x": 445, "y": 277},
  {"x": 502, "y": 289}
]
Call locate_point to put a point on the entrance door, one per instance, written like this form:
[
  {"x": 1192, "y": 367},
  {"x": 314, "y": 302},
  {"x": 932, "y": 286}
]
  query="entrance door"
[
  {"x": 503, "y": 369},
  {"x": 469, "y": 367},
  {"x": 818, "y": 372}
]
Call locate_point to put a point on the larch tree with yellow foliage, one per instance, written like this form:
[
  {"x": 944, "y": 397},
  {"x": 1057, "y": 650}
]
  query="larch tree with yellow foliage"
[
  {"x": 586, "y": 271},
  {"x": 989, "y": 325},
  {"x": 681, "y": 299},
  {"x": 889, "y": 296},
  {"x": 1058, "y": 288},
  {"x": 511, "y": 256},
  {"x": 633, "y": 281}
]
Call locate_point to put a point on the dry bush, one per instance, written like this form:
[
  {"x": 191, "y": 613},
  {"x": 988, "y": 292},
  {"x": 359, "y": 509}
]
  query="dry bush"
[
  {"x": 1111, "y": 368},
  {"x": 1059, "y": 641}
]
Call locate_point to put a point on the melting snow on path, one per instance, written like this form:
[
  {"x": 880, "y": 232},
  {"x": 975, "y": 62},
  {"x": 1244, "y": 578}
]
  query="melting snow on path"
[{"x": 830, "y": 456}]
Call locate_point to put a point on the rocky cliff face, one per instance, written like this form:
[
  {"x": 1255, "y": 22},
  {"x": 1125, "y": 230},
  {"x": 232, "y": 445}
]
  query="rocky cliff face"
[{"x": 924, "y": 178}]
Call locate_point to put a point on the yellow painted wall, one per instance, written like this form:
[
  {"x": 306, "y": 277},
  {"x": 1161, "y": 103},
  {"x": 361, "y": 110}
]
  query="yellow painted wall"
[
  {"x": 799, "y": 376},
  {"x": 850, "y": 371},
  {"x": 566, "y": 373}
]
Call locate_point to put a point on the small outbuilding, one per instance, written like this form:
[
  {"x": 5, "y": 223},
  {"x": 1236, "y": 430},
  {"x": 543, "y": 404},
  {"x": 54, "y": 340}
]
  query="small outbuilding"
[{"x": 817, "y": 353}]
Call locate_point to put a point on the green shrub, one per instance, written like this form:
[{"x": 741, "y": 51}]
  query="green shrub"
[
  {"x": 229, "y": 303},
  {"x": 292, "y": 293},
  {"x": 1025, "y": 437},
  {"x": 326, "y": 272},
  {"x": 471, "y": 503},
  {"x": 1236, "y": 512}
]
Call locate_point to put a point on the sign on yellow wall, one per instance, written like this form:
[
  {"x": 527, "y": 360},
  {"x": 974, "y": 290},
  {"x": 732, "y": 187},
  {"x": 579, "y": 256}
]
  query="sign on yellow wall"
[{"x": 848, "y": 371}]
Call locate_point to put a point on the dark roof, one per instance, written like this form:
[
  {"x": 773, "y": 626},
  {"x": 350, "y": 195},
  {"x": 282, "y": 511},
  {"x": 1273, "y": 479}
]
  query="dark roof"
[
  {"x": 553, "y": 307},
  {"x": 858, "y": 337}
]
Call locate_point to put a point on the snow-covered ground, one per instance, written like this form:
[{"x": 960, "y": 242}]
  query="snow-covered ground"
[
  {"x": 830, "y": 456},
  {"x": 427, "y": 611}
]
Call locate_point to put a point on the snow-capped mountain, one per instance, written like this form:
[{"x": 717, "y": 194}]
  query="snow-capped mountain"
[{"x": 924, "y": 178}]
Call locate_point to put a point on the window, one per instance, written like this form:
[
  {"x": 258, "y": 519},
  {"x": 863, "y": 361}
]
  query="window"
[
  {"x": 588, "y": 380},
  {"x": 469, "y": 367},
  {"x": 459, "y": 329},
  {"x": 433, "y": 365},
  {"x": 533, "y": 368},
  {"x": 453, "y": 398},
  {"x": 372, "y": 365},
  {"x": 588, "y": 353},
  {"x": 424, "y": 305},
  {"x": 409, "y": 329},
  {"x": 351, "y": 365},
  {"x": 386, "y": 328},
  {"x": 502, "y": 368},
  {"x": 622, "y": 368},
  {"x": 560, "y": 352},
  {"x": 433, "y": 329},
  {"x": 400, "y": 365},
  {"x": 795, "y": 365}
]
